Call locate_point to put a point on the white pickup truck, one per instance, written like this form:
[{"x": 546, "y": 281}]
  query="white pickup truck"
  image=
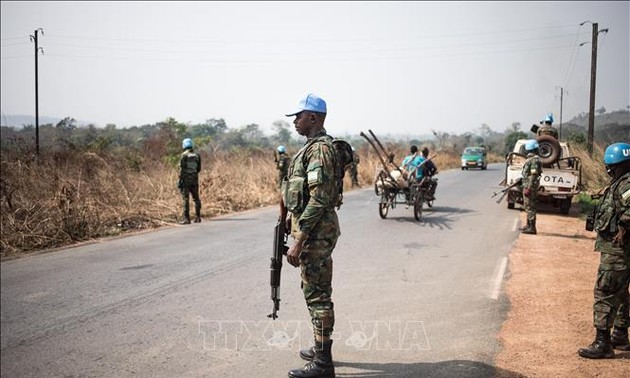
[{"x": 561, "y": 178}]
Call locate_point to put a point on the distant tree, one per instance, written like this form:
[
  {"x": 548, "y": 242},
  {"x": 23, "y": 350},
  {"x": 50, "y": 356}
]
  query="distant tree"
[
  {"x": 252, "y": 133},
  {"x": 510, "y": 140},
  {"x": 485, "y": 130},
  {"x": 601, "y": 110},
  {"x": 577, "y": 138},
  {"x": 63, "y": 133},
  {"x": 218, "y": 124},
  {"x": 283, "y": 133},
  {"x": 516, "y": 126}
]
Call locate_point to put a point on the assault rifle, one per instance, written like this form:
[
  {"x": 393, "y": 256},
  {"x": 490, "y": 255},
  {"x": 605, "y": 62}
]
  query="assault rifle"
[
  {"x": 279, "y": 248},
  {"x": 505, "y": 191}
]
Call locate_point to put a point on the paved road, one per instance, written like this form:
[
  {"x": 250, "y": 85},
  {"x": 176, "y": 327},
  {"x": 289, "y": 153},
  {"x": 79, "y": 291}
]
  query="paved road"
[{"x": 411, "y": 298}]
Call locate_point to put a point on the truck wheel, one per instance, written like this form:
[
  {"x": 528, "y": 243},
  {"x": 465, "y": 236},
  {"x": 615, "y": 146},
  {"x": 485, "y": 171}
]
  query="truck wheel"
[
  {"x": 549, "y": 149},
  {"x": 510, "y": 205},
  {"x": 565, "y": 206}
]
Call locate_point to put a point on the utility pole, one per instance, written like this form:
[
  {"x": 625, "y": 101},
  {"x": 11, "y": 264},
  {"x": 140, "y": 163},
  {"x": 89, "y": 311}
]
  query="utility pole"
[
  {"x": 37, "y": 49},
  {"x": 561, "y": 100},
  {"x": 591, "y": 112}
]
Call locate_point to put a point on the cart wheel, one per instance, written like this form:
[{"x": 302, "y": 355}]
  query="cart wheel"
[
  {"x": 417, "y": 206},
  {"x": 383, "y": 209}
]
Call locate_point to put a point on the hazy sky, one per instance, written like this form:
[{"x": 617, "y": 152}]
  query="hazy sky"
[{"x": 393, "y": 67}]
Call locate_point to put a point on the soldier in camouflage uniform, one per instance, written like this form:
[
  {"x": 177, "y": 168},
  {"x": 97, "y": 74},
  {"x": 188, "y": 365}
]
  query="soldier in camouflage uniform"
[
  {"x": 612, "y": 223},
  {"x": 546, "y": 128},
  {"x": 532, "y": 169},
  {"x": 310, "y": 194},
  {"x": 282, "y": 164},
  {"x": 190, "y": 166},
  {"x": 354, "y": 174}
]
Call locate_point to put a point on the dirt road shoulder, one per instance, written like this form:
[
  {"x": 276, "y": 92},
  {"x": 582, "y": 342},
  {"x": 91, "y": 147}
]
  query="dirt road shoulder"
[{"x": 550, "y": 289}]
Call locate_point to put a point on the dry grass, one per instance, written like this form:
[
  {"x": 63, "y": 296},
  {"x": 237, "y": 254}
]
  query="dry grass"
[
  {"x": 77, "y": 196},
  {"x": 73, "y": 197}
]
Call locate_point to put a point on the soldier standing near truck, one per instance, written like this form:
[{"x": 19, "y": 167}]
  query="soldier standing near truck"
[
  {"x": 532, "y": 169},
  {"x": 611, "y": 220}
]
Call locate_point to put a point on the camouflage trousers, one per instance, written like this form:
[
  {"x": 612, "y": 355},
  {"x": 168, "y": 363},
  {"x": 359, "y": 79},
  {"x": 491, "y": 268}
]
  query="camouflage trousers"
[
  {"x": 530, "y": 203},
  {"x": 611, "y": 288},
  {"x": 187, "y": 191},
  {"x": 611, "y": 299},
  {"x": 316, "y": 270},
  {"x": 281, "y": 176},
  {"x": 354, "y": 175}
]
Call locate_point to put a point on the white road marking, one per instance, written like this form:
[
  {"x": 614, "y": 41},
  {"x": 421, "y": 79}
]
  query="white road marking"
[
  {"x": 498, "y": 279},
  {"x": 516, "y": 223}
]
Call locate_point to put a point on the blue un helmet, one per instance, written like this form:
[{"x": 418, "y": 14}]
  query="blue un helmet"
[
  {"x": 531, "y": 145},
  {"x": 617, "y": 153},
  {"x": 187, "y": 143},
  {"x": 549, "y": 118},
  {"x": 281, "y": 149}
]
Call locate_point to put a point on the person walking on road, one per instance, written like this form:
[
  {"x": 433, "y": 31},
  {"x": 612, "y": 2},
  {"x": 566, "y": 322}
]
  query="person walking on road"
[
  {"x": 190, "y": 166},
  {"x": 310, "y": 195},
  {"x": 612, "y": 224},
  {"x": 532, "y": 169}
]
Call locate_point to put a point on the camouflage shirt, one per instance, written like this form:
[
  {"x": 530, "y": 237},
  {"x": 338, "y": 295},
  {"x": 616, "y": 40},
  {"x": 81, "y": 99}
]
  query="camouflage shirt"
[
  {"x": 613, "y": 213},
  {"x": 283, "y": 164},
  {"x": 309, "y": 191},
  {"x": 532, "y": 169}
]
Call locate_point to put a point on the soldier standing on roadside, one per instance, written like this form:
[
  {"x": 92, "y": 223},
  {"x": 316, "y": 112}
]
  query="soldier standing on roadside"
[
  {"x": 354, "y": 174},
  {"x": 190, "y": 166},
  {"x": 532, "y": 169},
  {"x": 310, "y": 194},
  {"x": 612, "y": 223},
  {"x": 282, "y": 164}
]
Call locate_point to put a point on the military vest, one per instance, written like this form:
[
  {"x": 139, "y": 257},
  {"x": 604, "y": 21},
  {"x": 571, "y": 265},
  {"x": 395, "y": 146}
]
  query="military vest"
[
  {"x": 532, "y": 169},
  {"x": 295, "y": 191},
  {"x": 190, "y": 166},
  {"x": 610, "y": 208}
]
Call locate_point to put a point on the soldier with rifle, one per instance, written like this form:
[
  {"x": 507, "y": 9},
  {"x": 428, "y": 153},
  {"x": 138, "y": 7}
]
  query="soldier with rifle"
[
  {"x": 532, "y": 169},
  {"x": 611, "y": 221},
  {"x": 310, "y": 193}
]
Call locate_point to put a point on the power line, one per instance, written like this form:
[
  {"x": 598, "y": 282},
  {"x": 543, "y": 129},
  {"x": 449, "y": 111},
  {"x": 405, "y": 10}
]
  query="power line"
[{"x": 302, "y": 40}]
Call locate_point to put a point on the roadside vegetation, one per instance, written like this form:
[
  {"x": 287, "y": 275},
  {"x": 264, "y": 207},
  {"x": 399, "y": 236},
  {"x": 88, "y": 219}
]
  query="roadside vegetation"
[{"x": 93, "y": 182}]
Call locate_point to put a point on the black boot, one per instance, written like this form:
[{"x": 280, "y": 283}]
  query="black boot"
[
  {"x": 321, "y": 366},
  {"x": 531, "y": 230},
  {"x": 619, "y": 339},
  {"x": 600, "y": 348},
  {"x": 525, "y": 227},
  {"x": 307, "y": 354}
]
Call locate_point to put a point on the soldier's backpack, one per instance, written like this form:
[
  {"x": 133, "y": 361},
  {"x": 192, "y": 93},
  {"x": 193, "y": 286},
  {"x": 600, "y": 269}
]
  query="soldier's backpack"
[{"x": 343, "y": 158}]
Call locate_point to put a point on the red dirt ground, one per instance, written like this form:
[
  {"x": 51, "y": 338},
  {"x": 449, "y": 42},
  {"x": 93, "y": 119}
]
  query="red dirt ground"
[{"x": 550, "y": 288}]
